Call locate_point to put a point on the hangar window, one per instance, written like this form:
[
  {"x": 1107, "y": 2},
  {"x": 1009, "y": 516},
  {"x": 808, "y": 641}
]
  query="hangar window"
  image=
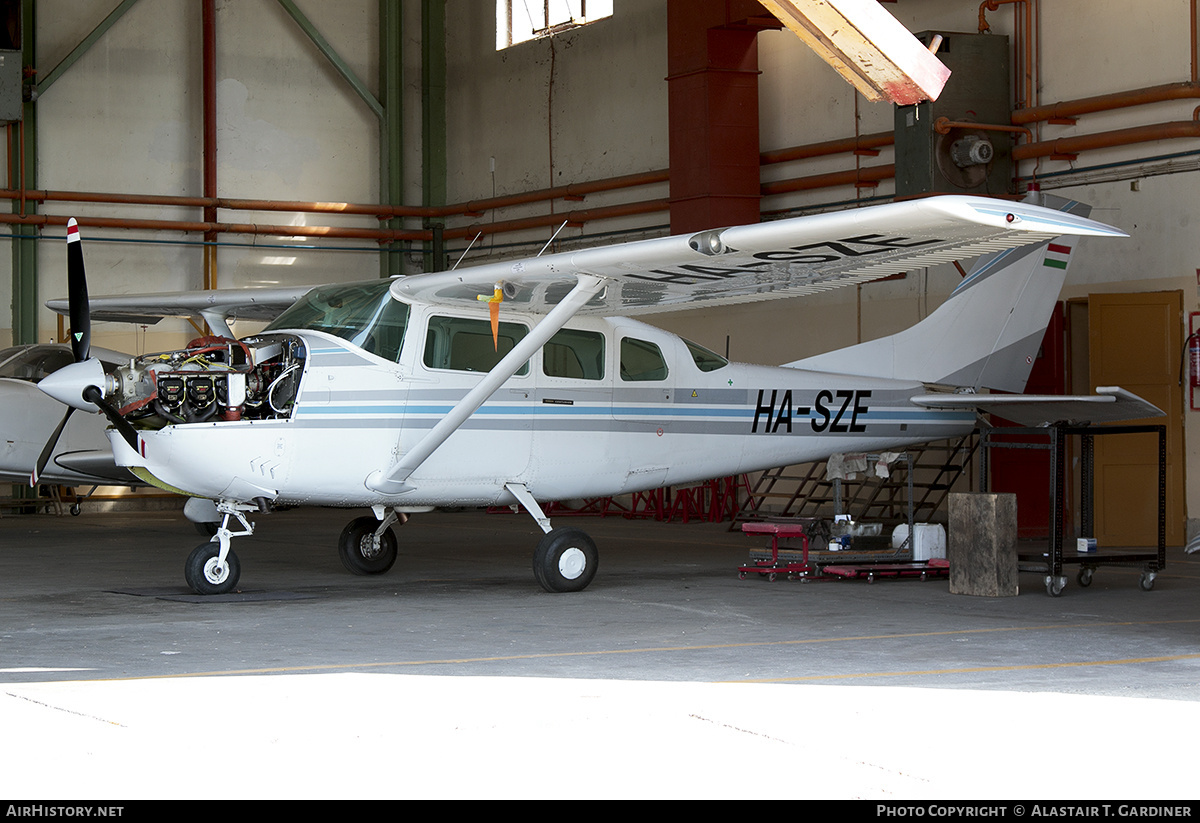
[{"x": 521, "y": 20}]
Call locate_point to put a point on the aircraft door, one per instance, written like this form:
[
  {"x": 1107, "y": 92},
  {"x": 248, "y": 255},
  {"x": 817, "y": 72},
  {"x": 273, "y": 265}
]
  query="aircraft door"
[
  {"x": 571, "y": 410},
  {"x": 643, "y": 395},
  {"x": 491, "y": 447}
]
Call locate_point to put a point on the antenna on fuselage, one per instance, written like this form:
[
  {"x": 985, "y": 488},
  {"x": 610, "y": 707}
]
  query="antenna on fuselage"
[
  {"x": 467, "y": 249},
  {"x": 551, "y": 240}
]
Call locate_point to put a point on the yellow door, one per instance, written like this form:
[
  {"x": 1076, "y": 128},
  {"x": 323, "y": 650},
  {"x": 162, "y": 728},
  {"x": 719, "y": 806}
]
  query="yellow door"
[{"x": 1135, "y": 341}]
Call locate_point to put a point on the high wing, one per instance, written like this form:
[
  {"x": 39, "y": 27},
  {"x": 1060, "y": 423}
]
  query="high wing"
[
  {"x": 784, "y": 258},
  {"x": 1110, "y": 404}
]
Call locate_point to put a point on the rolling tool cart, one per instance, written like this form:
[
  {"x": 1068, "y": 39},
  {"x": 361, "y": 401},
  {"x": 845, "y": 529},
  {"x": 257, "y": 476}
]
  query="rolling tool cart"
[
  {"x": 797, "y": 527},
  {"x": 1051, "y": 562}
]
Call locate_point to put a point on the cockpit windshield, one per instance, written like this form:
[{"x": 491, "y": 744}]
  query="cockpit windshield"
[{"x": 363, "y": 313}]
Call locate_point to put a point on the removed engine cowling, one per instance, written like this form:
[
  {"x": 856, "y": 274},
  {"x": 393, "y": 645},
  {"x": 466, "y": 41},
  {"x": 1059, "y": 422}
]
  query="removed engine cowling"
[{"x": 212, "y": 378}]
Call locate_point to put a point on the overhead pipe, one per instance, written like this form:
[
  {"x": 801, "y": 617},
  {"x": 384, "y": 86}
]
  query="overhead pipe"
[
  {"x": 576, "y": 217},
  {"x": 567, "y": 192},
  {"x": 570, "y": 191},
  {"x": 1107, "y": 140},
  {"x": 1107, "y": 102},
  {"x": 944, "y": 125},
  {"x": 342, "y": 233},
  {"x": 854, "y": 177},
  {"x": 846, "y": 145}
]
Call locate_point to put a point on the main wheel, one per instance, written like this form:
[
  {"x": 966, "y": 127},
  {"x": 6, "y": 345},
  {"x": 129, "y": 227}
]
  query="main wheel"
[
  {"x": 361, "y": 553},
  {"x": 204, "y": 575},
  {"x": 565, "y": 560}
]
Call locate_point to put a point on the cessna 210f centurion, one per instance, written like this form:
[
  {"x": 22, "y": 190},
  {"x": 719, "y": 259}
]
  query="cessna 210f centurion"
[{"x": 529, "y": 381}]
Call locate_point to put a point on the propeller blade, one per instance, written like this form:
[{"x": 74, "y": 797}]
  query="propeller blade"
[
  {"x": 63, "y": 385},
  {"x": 77, "y": 295},
  {"x": 94, "y": 395},
  {"x": 44, "y": 457}
]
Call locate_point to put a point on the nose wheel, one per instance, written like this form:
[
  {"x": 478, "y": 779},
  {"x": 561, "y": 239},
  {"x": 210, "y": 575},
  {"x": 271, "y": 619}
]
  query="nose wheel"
[
  {"x": 206, "y": 573},
  {"x": 213, "y": 568}
]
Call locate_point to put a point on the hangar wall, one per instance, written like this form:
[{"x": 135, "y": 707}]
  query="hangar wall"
[{"x": 585, "y": 105}]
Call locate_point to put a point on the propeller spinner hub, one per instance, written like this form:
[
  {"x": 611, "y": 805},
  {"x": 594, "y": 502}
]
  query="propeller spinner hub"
[{"x": 67, "y": 385}]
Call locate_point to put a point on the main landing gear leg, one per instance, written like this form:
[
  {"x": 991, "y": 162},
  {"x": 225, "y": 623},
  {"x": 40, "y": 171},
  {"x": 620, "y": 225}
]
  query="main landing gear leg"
[
  {"x": 213, "y": 567},
  {"x": 565, "y": 559}
]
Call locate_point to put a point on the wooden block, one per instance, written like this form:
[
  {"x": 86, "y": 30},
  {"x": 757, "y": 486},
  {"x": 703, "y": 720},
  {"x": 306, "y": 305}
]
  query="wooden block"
[
  {"x": 867, "y": 46},
  {"x": 982, "y": 544}
]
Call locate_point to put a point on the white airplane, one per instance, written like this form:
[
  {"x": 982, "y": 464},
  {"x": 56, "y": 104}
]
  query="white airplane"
[
  {"x": 80, "y": 453},
  {"x": 528, "y": 381}
]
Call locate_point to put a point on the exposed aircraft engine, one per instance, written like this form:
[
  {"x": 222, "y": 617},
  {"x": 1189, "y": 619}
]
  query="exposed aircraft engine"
[{"x": 213, "y": 378}]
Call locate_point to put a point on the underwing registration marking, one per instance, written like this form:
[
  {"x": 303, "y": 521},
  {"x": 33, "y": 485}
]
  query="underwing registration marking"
[{"x": 829, "y": 251}]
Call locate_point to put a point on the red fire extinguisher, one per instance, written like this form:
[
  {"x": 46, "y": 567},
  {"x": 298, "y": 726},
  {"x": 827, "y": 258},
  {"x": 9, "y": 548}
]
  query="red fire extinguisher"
[{"x": 1194, "y": 360}]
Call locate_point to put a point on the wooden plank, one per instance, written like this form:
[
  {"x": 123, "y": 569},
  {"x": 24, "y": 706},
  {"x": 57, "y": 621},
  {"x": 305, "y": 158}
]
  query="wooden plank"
[{"x": 867, "y": 46}]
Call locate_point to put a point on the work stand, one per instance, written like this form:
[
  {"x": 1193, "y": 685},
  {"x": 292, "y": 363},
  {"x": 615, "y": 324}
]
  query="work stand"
[{"x": 1051, "y": 562}]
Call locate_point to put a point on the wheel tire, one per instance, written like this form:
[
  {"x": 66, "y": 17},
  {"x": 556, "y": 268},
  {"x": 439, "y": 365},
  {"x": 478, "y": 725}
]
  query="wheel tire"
[
  {"x": 201, "y": 572},
  {"x": 357, "y": 549},
  {"x": 1084, "y": 578},
  {"x": 565, "y": 560}
]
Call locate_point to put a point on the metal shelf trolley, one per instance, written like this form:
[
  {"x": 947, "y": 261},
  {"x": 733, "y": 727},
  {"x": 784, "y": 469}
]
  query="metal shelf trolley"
[{"x": 1051, "y": 563}]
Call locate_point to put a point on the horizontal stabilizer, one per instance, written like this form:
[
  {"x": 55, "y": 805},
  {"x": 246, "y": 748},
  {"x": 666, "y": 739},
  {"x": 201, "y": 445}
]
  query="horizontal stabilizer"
[{"x": 1110, "y": 404}]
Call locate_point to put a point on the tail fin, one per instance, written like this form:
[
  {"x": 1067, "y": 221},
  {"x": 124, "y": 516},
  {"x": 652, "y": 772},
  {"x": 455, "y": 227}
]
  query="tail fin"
[{"x": 988, "y": 331}]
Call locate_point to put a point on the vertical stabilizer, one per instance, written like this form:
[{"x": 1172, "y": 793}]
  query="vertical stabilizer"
[{"x": 986, "y": 334}]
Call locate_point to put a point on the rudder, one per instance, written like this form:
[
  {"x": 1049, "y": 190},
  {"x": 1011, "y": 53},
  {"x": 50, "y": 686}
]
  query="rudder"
[{"x": 971, "y": 340}]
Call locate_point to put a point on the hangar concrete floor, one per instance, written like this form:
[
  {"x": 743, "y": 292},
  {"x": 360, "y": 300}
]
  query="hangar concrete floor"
[{"x": 455, "y": 675}]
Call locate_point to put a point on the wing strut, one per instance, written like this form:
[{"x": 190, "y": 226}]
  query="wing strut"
[{"x": 393, "y": 480}]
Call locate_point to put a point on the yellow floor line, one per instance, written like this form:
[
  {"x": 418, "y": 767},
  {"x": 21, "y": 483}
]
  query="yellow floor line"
[{"x": 718, "y": 646}]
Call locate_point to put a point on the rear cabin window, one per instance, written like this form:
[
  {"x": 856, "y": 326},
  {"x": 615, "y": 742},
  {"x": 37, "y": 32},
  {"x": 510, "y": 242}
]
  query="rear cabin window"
[
  {"x": 641, "y": 360},
  {"x": 574, "y": 354},
  {"x": 465, "y": 344}
]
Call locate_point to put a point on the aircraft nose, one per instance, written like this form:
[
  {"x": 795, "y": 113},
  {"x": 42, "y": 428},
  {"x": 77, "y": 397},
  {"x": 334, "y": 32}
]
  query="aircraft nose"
[{"x": 68, "y": 383}]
